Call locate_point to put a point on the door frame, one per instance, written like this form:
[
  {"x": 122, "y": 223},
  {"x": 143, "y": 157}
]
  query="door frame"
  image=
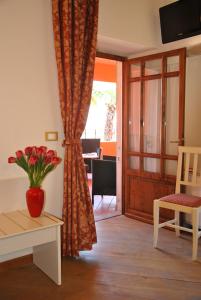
[
  {"x": 126, "y": 81},
  {"x": 119, "y": 114}
]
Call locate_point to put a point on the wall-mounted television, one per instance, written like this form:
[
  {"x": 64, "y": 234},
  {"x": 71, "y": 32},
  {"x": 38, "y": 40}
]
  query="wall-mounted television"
[{"x": 180, "y": 20}]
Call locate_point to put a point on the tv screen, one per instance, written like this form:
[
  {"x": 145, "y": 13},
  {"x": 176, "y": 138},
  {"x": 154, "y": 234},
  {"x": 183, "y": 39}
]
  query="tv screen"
[{"x": 180, "y": 19}]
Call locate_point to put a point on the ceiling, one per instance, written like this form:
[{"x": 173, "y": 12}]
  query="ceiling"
[
  {"x": 128, "y": 49},
  {"x": 119, "y": 47}
]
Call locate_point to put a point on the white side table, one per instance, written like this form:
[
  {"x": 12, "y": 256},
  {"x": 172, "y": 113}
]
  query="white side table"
[{"x": 19, "y": 231}]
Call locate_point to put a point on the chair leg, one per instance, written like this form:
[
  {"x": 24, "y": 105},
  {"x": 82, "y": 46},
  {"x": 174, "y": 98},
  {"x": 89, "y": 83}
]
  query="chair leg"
[
  {"x": 195, "y": 220},
  {"x": 156, "y": 222},
  {"x": 177, "y": 222}
]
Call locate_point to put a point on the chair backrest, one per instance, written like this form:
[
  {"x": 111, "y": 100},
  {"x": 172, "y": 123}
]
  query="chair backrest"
[
  {"x": 103, "y": 177},
  {"x": 90, "y": 145},
  {"x": 109, "y": 157},
  {"x": 189, "y": 167}
]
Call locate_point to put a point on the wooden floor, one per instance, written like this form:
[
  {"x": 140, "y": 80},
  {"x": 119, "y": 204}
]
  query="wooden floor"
[
  {"x": 123, "y": 265},
  {"x": 105, "y": 207}
]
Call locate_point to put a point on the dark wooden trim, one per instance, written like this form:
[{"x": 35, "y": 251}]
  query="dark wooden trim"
[
  {"x": 182, "y": 60},
  {"x": 142, "y": 104},
  {"x": 16, "y": 262},
  {"x": 156, "y": 76},
  {"x": 163, "y": 115},
  {"x": 171, "y": 74},
  {"x": 149, "y": 175},
  {"x": 156, "y": 56},
  {"x": 140, "y": 216},
  {"x": 152, "y": 155},
  {"x": 110, "y": 56},
  {"x": 146, "y": 77},
  {"x": 125, "y": 95},
  {"x": 170, "y": 179}
]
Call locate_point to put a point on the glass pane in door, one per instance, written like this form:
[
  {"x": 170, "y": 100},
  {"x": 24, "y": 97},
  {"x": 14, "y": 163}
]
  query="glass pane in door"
[
  {"x": 153, "y": 67},
  {"x": 171, "y": 167},
  {"x": 172, "y": 63},
  {"x": 134, "y": 117},
  {"x": 172, "y": 115},
  {"x": 134, "y": 163},
  {"x": 151, "y": 164},
  {"x": 152, "y": 116},
  {"x": 135, "y": 70}
]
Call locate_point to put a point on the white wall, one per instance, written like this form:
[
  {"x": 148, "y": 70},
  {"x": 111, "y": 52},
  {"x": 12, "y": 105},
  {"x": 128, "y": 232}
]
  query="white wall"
[
  {"x": 193, "y": 101},
  {"x": 193, "y": 110},
  {"x": 132, "y": 21},
  {"x": 29, "y": 103}
]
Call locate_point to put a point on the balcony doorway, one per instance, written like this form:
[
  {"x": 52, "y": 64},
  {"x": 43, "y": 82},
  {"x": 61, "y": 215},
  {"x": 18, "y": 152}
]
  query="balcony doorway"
[{"x": 104, "y": 123}]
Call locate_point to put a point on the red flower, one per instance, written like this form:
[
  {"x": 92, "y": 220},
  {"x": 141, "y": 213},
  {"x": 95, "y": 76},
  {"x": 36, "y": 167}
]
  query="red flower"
[
  {"x": 28, "y": 150},
  {"x": 55, "y": 160},
  {"x": 39, "y": 151},
  {"x": 11, "y": 160},
  {"x": 51, "y": 153},
  {"x": 19, "y": 154},
  {"x": 34, "y": 149},
  {"x": 47, "y": 160},
  {"x": 32, "y": 160},
  {"x": 43, "y": 149}
]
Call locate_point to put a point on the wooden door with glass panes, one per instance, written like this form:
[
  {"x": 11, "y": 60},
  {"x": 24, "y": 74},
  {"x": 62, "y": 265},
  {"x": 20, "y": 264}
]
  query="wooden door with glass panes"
[{"x": 153, "y": 124}]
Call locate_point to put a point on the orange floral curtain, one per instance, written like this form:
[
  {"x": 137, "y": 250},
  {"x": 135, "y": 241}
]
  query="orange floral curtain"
[{"x": 75, "y": 25}]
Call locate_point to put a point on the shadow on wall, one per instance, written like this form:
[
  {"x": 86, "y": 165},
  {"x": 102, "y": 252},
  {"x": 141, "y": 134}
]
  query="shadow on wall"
[{"x": 13, "y": 193}]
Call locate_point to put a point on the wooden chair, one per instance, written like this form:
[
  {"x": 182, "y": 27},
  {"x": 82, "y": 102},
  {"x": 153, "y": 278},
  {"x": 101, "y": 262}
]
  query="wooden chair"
[{"x": 187, "y": 175}]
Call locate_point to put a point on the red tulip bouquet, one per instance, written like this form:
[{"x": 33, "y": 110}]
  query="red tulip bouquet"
[{"x": 37, "y": 162}]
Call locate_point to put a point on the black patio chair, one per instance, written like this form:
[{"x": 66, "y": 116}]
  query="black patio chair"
[
  {"x": 90, "y": 146},
  {"x": 109, "y": 157},
  {"x": 103, "y": 177}
]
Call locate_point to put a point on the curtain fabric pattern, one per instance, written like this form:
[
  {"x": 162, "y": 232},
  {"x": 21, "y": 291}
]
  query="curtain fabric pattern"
[{"x": 75, "y": 25}]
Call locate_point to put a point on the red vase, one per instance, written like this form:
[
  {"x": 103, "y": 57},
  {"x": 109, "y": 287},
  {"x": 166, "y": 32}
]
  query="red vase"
[{"x": 35, "y": 201}]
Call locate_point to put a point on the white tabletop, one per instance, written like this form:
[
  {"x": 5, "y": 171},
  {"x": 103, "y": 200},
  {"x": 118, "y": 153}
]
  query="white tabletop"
[
  {"x": 17, "y": 222},
  {"x": 90, "y": 155}
]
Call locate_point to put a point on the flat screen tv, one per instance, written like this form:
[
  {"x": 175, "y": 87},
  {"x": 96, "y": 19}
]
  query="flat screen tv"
[{"x": 180, "y": 20}]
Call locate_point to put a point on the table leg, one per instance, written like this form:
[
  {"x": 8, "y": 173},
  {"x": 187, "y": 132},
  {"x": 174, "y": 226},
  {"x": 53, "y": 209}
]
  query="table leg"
[{"x": 47, "y": 257}]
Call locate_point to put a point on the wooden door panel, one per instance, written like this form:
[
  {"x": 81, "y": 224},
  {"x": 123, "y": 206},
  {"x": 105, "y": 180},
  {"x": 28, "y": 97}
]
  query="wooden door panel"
[
  {"x": 153, "y": 124},
  {"x": 141, "y": 194}
]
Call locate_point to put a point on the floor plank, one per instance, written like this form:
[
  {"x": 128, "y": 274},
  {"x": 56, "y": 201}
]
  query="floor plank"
[
  {"x": 104, "y": 207},
  {"x": 123, "y": 265}
]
